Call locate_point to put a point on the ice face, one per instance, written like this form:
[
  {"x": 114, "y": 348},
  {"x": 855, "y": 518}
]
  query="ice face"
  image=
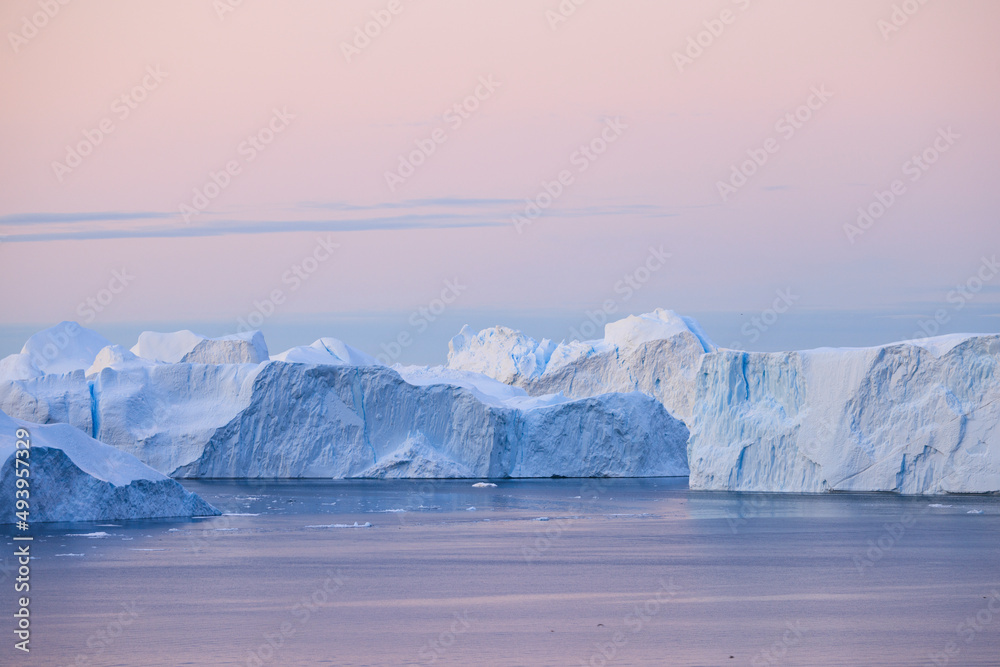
[
  {"x": 656, "y": 353},
  {"x": 913, "y": 417},
  {"x": 188, "y": 347},
  {"x": 331, "y": 411},
  {"x": 76, "y": 478}
]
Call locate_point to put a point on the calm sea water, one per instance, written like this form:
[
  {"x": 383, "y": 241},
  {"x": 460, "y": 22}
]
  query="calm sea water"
[{"x": 549, "y": 572}]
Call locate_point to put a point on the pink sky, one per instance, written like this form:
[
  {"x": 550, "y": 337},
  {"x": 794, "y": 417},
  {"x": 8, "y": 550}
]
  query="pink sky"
[{"x": 656, "y": 185}]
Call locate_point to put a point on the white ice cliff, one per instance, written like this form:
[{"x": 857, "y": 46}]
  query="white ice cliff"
[
  {"x": 916, "y": 417},
  {"x": 328, "y": 410},
  {"x": 657, "y": 353},
  {"x": 72, "y": 477},
  {"x": 913, "y": 417}
]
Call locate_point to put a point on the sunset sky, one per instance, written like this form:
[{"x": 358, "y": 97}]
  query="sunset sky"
[{"x": 190, "y": 164}]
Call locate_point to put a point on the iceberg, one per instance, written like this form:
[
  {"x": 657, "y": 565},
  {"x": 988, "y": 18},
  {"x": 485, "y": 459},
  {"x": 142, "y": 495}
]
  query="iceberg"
[
  {"x": 654, "y": 397},
  {"x": 73, "y": 477},
  {"x": 329, "y": 351},
  {"x": 187, "y": 347},
  {"x": 656, "y": 353},
  {"x": 914, "y": 417},
  {"x": 329, "y": 411},
  {"x": 65, "y": 347}
]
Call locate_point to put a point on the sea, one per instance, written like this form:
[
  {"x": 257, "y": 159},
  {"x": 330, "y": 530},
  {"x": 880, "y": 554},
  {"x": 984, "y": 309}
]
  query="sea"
[{"x": 517, "y": 572}]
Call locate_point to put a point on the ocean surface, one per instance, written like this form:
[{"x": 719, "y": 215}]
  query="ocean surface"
[{"x": 542, "y": 572}]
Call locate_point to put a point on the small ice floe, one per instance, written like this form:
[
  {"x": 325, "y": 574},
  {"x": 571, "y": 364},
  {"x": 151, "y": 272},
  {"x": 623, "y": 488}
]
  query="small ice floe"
[
  {"x": 974, "y": 512},
  {"x": 239, "y": 514},
  {"x": 366, "y": 524},
  {"x": 75, "y": 555},
  {"x": 938, "y": 505},
  {"x": 542, "y": 518},
  {"x": 93, "y": 536},
  {"x": 173, "y": 530},
  {"x": 393, "y": 511},
  {"x": 127, "y": 539},
  {"x": 109, "y": 525},
  {"x": 226, "y": 529},
  {"x": 147, "y": 549},
  {"x": 470, "y": 509},
  {"x": 484, "y": 485}
]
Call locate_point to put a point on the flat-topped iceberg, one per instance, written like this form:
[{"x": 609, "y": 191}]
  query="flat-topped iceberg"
[
  {"x": 918, "y": 417},
  {"x": 73, "y": 477}
]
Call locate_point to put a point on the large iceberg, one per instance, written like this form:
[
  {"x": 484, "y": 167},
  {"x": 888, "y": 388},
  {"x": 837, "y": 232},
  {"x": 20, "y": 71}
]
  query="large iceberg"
[
  {"x": 72, "y": 477},
  {"x": 656, "y": 353},
  {"x": 916, "y": 417},
  {"x": 330, "y": 411}
]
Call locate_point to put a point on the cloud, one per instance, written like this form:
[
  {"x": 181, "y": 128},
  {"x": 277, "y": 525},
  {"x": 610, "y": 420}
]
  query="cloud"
[
  {"x": 34, "y": 218},
  {"x": 440, "y": 213}
]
